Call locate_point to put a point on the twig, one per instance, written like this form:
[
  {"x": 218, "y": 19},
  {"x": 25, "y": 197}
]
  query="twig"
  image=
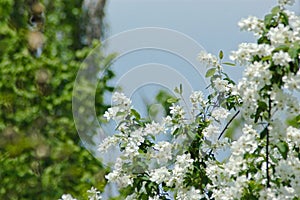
[
  {"x": 234, "y": 116},
  {"x": 226, "y": 127},
  {"x": 267, "y": 145}
]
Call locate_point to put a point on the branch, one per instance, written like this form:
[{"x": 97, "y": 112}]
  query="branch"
[{"x": 226, "y": 127}]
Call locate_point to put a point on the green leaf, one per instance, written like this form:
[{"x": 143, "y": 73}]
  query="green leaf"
[
  {"x": 294, "y": 121},
  {"x": 275, "y": 10},
  {"x": 135, "y": 114},
  {"x": 228, "y": 63},
  {"x": 221, "y": 54},
  {"x": 264, "y": 133},
  {"x": 265, "y": 58},
  {"x": 282, "y": 48},
  {"x": 294, "y": 51},
  {"x": 177, "y": 131},
  {"x": 177, "y": 90},
  {"x": 173, "y": 100},
  {"x": 263, "y": 40},
  {"x": 268, "y": 19},
  {"x": 210, "y": 72},
  {"x": 283, "y": 148},
  {"x": 180, "y": 89},
  {"x": 284, "y": 18}
]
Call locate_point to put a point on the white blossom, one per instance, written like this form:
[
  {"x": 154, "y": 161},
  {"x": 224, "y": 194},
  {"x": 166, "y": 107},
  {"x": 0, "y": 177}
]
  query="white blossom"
[
  {"x": 162, "y": 152},
  {"x": 111, "y": 113},
  {"x": 94, "y": 194},
  {"x": 160, "y": 175},
  {"x": 67, "y": 197},
  {"x": 281, "y": 58},
  {"x": 286, "y": 2},
  {"x": 280, "y": 34},
  {"x": 208, "y": 59},
  {"x": 221, "y": 85},
  {"x": 177, "y": 111},
  {"x": 211, "y": 132},
  {"x": 291, "y": 81},
  {"x": 246, "y": 52},
  {"x": 220, "y": 113},
  {"x": 293, "y": 136},
  {"x": 252, "y": 24},
  {"x": 107, "y": 142},
  {"x": 182, "y": 165},
  {"x": 121, "y": 99},
  {"x": 153, "y": 128},
  {"x": 192, "y": 194},
  {"x": 197, "y": 97}
]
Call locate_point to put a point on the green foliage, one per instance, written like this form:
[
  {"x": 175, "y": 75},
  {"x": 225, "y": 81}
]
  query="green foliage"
[{"x": 41, "y": 156}]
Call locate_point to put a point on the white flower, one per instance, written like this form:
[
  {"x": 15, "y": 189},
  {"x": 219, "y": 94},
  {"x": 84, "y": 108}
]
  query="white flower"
[
  {"x": 291, "y": 81},
  {"x": 108, "y": 142},
  {"x": 153, "y": 129},
  {"x": 167, "y": 121},
  {"x": 221, "y": 85},
  {"x": 267, "y": 194},
  {"x": 279, "y": 98},
  {"x": 197, "y": 97},
  {"x": 132, "y": 197},
  {"x": 177, "y": 111},
  {"x": 277, "y": 130},
  {"x": 246, "y": 143},
  {"x": 280, "y": 35},
  {"x": 286, "y": 2},
  {"x": 160, "y": 175},
  {"x": 183, "y": 164},
  {"x": 192, "y": 194},
  {"x": 120, "y": 98},
  {"x": 132, "y": 146},
  {"x": 293, "y": 135},
  {"x": 111, "y": 113},
  {"x": 208, "y": 59},
  {"x": 252, "y": 24},
  {"x": 162, "y": 152},
  {"x": 281, "y": 58},
  {"x": 67, "y": 197},
  {"x": 157, "y": 197},
  {"x": 211, "y": 132},
  {"x": 122, "y": 180},
  {"x": 246, "y": 51},
  {"x": 257, "y": 75},
  {"x": 294, "y": 20},
  {"x": 220, "y": 113},
  {"x": 94, "y": 194}
]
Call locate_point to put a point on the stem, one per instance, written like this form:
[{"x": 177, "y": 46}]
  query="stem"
[
  {"x": 226, "y": 127},
  {"x": 267, "y": 159},
  {"x": 268, "y": 143},
  {"x": 234, "y": 116},
  {"x": 186, "y": 105}
]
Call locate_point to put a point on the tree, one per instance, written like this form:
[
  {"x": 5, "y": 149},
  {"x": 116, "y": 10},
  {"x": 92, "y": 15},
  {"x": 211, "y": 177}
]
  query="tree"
[
  {"x": 265, "y": 159},
  {"x": 42, "y": 47}
]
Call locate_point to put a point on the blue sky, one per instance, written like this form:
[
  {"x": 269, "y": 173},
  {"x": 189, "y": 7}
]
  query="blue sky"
[{"x": 212, "y": 23}]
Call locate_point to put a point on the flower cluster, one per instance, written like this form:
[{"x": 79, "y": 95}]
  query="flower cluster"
[
  {"x": 146, "y": 164},
  {"x": 94, "y": 194},
  {"x": 264, "y": 161},
  {"x": 170, "y": 169}
]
